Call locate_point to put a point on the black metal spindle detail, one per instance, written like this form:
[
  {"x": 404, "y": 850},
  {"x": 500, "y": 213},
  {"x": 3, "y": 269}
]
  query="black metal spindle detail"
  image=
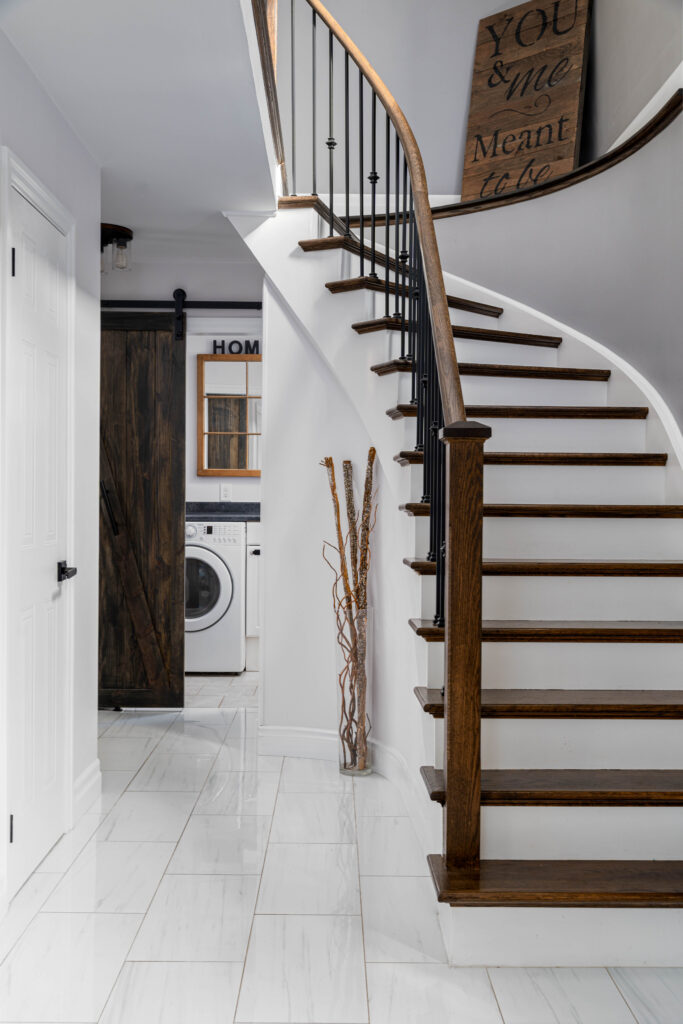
[
  {"x": 293, "y": 88},
  {"x": 402, "y": 257},
  {"x": 386, "y": 219},
  {"x": 314, "y": 105},
  {"x": 331, "y": 142},
  {"x": 414, "y": 295},
  {"x": 347, "y": 165},
  {"x": 397, "y": 226},
  {"x": 361, "y": 180},
  {"x": 373, "y": 178}
]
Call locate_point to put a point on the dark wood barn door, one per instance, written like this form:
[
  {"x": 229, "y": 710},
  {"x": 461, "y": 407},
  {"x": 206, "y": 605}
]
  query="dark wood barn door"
[{"x": 142, "y": 512}]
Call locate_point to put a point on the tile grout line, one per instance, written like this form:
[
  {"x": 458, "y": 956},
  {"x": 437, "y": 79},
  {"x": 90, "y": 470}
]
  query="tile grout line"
[
  {"x": 258, "y": 889},
  {"x": 360, "y": 900},
  {"x": 495, "y": 994},
  {"x": 618, "y": 988}
]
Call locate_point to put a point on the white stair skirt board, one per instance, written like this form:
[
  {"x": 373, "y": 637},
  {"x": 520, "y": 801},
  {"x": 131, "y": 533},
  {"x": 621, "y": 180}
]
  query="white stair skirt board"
[{"x": 574, "y": 937}]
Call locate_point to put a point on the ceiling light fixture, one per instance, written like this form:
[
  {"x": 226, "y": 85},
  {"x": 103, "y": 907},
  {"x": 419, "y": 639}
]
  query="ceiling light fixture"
[{"x": 119, "y": 238}]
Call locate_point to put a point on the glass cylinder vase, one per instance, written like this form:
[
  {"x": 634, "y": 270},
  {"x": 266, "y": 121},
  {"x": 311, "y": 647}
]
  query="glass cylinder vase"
[{"x": 354, "y": 678}]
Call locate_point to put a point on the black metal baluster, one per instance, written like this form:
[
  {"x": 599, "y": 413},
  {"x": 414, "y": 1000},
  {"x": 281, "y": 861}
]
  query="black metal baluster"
[
  {"x": 373, "y": 178},
  {"x": 397, "y": 224},
  {"x": 412, "y": 309},
  {"x": 360, "y": 170},
  {"x": 386, "y": 221},
  {"x": 293, "y": 68},
  {"x": 331, "y": 143},
  {"x": 347, "y": 226},
  {"x": 402, "y": 258},
  {"x": 314, "y": 78}
]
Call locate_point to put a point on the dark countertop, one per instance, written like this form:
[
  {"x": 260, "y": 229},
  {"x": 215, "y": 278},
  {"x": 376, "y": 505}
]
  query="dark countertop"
[{"x": 223, "y": 511}]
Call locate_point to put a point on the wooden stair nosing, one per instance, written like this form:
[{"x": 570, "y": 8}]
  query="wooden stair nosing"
[
  {"x": 558, "y": 883},
  {"x": 375, "y": 284},
  {"x": 569, "y": 787},
  {"x": 585, "y": 704},
  {"x": 562, "y": 567},
  {"x": 411, "y": 457},
  {"x": 535, "y": 412},
  {"x": 506, "y": 337},
  {"x": 563, "y": 631},
  {"x": 583, "y": 511},
  {"x": 352, "y": 245},
  {"x": 415, "y": 508},
  {"x": 405, "y": 365}
]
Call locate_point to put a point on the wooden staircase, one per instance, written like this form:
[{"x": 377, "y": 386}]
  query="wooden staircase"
[
  {"x": 508, "y": 532},
  {"x": 590, "y": 883}
]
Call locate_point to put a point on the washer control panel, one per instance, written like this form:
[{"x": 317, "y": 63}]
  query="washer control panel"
[{"x": 217, "y": 533}]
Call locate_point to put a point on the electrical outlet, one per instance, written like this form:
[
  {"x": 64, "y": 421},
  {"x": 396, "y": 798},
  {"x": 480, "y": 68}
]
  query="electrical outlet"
[{"x": 225, "y": 491}]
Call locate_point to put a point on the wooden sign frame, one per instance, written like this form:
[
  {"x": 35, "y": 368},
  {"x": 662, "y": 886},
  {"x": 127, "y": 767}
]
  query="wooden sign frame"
[{"x": 527, "y": 96}]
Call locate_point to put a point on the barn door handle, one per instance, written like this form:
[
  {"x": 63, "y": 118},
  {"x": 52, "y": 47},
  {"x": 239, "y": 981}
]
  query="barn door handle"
[
  {"x": 65, "y": 572},
  {"x": 256, "y": 551}
]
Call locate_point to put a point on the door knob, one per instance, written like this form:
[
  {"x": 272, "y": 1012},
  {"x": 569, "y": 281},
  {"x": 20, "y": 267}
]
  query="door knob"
[{"x": 65, "y": 572}]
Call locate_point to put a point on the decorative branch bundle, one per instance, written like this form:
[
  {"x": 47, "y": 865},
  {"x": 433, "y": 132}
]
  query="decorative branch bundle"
[{"x": 350, "y": 602}]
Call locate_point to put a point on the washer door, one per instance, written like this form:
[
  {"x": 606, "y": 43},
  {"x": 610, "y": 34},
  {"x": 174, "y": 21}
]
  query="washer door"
[{"x": 208, "y": 588}]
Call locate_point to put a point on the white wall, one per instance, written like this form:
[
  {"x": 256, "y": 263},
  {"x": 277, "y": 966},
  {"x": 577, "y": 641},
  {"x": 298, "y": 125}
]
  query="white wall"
[
  {"x": 33, "y": 128},
  {"x": 201, "y": 332},
  {"x": 603, "y": 256}
]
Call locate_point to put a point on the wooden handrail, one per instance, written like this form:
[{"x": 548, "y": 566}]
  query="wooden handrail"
[
  {"x": 264, "y": 20},
  {"x": 447, "y": 363}
]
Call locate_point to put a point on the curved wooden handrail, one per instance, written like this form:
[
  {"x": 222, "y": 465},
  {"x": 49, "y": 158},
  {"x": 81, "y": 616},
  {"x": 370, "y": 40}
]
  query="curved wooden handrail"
[
  {"x": 446, "y": 360},
  {"x": 662, "y": 119}
]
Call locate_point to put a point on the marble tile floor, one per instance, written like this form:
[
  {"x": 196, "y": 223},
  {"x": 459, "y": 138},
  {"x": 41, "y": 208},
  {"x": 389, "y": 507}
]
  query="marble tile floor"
[{"x": 212, "y": 884}]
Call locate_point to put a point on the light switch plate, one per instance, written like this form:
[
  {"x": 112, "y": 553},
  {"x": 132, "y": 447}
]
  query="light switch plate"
[{"x": 225, "y": 491}]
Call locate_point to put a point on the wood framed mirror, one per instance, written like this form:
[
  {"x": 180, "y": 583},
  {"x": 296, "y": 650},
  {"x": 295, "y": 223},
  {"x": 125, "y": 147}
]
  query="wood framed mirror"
[{"x": 229, "y": 395}]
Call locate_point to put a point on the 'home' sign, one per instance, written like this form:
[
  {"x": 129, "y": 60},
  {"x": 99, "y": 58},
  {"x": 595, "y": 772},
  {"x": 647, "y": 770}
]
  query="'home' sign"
[{"x": 527, "y": 97}]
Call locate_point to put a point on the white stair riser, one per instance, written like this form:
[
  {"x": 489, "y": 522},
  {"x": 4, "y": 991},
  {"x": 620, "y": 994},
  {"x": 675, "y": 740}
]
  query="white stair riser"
[
  {"x": 470, "y": 350},
  {"x": 613, "y": 666},
  {"x": 536, "y": 743},
  {"x": 568, "y": 833},
  {"x": 567, "y": 484},
  {"x": 520, "y": 391},
  {"x": 574, "y": 597},
  {"x": 603, "y": 539},
  {"x": 548, "y": 435}
]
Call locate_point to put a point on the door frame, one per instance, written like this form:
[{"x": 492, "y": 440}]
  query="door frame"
[{"x": 14, "y": 174}]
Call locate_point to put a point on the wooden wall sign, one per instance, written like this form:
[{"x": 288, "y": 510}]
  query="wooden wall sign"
[{"x": 527, "y": 96}]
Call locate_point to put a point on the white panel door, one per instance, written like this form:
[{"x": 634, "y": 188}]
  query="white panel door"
[{"x": 36, "y": 420}]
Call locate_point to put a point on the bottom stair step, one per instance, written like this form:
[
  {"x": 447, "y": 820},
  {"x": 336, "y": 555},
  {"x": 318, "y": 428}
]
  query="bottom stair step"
[
  {"x": 561, "y": 883},
  {"x": 555, "y": 787},
  {"x": 565, "y": 703}
]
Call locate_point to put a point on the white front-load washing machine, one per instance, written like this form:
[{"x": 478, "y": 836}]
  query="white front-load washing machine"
[{"x": 215, "y": 597}]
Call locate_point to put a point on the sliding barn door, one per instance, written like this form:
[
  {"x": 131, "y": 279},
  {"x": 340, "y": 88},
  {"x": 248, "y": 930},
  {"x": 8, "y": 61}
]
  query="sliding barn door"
[{"x": 142, "y": 512}]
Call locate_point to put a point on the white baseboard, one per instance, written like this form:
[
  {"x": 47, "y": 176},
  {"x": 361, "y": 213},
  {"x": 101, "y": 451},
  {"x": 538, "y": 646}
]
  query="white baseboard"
[{"x": 87, "y": 789}]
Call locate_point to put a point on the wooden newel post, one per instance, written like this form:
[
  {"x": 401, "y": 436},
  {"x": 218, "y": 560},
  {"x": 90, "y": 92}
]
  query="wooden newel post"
[{"x": 462, "y": 666}]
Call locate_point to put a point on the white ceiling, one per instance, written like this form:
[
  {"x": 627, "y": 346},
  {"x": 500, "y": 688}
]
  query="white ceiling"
[{"x": 162, "y": 94}]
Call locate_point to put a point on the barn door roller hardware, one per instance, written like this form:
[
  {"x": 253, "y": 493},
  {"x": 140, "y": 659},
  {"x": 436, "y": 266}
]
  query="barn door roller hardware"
[{"x": 179, "y": 297}]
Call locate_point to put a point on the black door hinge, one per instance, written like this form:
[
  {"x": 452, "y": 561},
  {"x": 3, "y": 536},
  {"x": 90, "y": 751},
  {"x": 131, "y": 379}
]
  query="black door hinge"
[
  {"x": 14, "y": 262},
  {"x": 11, "y": 828}
]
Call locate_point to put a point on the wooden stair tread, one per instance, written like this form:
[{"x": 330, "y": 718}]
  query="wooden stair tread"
[
  {"x": 561, "y": 567},
  {"x": 536, "y": 412},
  {"x": 506, "y": 337},
  {"x": 552, "y": 787},
  {"x": 501, "y": 370},
  {"x": 415, "y": 508},
  {"x": 560, "y": 883},
  {"x": 562, "y": 631},
  {"x": 584, "y": 511},
  {"x": 517, "y": 703},
  {"x": 411, "y": 457},
  {"x": 374, "y": 284}
]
